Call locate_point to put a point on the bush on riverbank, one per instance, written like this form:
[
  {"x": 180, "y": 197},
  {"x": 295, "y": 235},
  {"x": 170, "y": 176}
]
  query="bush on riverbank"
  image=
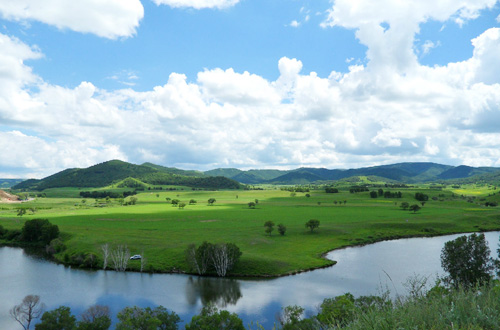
[
  {"x": 39, "y": 231},
  {"x": 34, "y": 233},
  {"x": 438, "y": 308}
]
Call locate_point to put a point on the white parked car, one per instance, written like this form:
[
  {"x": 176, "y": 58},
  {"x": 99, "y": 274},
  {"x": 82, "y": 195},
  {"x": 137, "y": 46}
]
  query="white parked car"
[{"x": 135, "y": 257}]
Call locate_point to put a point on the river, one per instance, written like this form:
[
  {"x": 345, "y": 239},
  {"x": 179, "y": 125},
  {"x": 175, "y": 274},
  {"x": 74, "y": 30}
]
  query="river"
[{"x": 364, "y": 270}]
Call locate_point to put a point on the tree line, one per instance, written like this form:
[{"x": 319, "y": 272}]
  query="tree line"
[
  {"x": 104, "y": 194},
  {"x": 38, "y": 232},
  {"x": 386, "y": 194},
  {"x": 98, "y": 317}
]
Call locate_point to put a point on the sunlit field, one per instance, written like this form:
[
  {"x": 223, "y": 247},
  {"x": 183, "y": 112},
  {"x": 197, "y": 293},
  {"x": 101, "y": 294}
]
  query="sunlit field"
[{"x": 161, "y": 232}]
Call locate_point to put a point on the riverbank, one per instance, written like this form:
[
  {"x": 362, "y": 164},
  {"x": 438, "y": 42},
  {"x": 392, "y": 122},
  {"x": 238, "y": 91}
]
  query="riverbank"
[{"x": 41, "y": 252}]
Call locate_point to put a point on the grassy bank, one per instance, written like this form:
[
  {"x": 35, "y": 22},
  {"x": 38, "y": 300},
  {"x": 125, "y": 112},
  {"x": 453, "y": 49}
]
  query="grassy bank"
[{"x": 162, "y": 232}]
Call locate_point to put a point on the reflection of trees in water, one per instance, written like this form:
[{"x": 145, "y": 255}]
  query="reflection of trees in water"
[{"x": 221, "y": 292}]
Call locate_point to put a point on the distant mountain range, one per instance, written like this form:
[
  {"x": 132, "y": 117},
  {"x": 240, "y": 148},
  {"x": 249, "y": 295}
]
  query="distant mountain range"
[
  {"x": 7, "y": 183},
  {"x": 402, "y": 172},
  {"x": 121, "y": 173}
]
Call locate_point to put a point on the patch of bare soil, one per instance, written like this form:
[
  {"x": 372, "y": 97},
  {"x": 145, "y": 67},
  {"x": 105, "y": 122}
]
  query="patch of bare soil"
[{"x": 5, "y": 197}]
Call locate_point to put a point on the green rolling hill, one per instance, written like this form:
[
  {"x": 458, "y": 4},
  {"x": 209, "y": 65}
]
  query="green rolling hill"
[{"x": 116, "y": 172}]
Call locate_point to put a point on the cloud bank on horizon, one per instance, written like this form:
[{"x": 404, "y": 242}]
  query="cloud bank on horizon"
[{"x": 387, "y": 106}]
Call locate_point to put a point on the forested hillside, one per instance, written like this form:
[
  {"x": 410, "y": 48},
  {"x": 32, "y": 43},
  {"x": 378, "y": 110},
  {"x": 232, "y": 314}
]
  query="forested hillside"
[{"x": 114, "y": 171}]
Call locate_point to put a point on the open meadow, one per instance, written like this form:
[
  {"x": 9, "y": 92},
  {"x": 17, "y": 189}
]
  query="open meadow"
[{"x": 161, "y": 232}]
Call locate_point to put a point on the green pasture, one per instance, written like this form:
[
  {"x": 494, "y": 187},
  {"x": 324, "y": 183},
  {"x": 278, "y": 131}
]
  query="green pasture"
[
  {"x": 162, "y": 232},
  {"x": 475, "y": 190}
]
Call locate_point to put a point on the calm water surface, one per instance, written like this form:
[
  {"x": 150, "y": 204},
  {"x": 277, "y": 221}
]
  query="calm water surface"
[{"x": 360, "y": 270}]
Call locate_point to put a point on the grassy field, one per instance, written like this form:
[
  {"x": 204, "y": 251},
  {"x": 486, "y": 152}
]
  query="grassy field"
[{"x": 162, "y": 232}]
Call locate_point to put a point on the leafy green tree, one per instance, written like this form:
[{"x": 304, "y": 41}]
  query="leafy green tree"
[
  {"x": 96, "y": 317},
  {"x": 49, "y": 232},
  {"x": 291, "y": 319},
  {"x": 169, "y": 320},
  {"x": 281, "y": 229},
  {"x": 57, "y": 319},
  {"x": 137, "y": 318},
  {"x": 21, "y": 212},
  {"x": 211, "y": 201},
  {"x": 404, "y": 205},
  {"x": 210, "y": 318},
  {"x": 421, "y": 197},
  {"x": 182, "y": 205},
  {"x": 312, "y": 224},
  {"x": 269, "y": 225},
  {"x": 200, "y": 259},
  {"x": 204, "y": 255},
  {"x": 192, "y": 201},
  {"x": 339, "y": 310},
  {"x": 290, "y": 315},
  {"x": 414, "y": 208},
  {"x": 39, "y": 230},
  {"x": 3, "y": 231},
  {"x": 467, "y": 261},
  {"x": 373, "y": 194},
  {"x": 175, "y": 202},
  {"x": 251, "y": 205}
]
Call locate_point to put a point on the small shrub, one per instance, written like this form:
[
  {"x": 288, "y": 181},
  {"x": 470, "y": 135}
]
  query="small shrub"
[
  {"x": 90, "y": 260},
  {"x": 281, "y": 229},
  {"x": 13, "y": 235},
  {"x": 57, "y": 245}
]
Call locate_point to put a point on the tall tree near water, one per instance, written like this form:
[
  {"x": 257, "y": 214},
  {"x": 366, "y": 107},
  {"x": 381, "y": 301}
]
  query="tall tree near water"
[{"x": 467, "y": 261}]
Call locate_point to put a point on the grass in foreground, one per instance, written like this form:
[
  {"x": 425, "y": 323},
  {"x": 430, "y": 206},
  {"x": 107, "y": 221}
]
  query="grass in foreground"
[{"x": 458, "y": 309}]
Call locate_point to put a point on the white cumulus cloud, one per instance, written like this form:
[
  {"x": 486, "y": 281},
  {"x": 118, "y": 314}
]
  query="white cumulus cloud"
[
  {"x": 388, "y": 27},
  {"x": 105, "y": 18},
  {"x": 391, "y": 109},
  {"x": 198, "y": 4}
]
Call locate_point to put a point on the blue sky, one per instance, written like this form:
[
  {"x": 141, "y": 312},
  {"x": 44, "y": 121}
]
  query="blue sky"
[{"x": 200, "y": 84}]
